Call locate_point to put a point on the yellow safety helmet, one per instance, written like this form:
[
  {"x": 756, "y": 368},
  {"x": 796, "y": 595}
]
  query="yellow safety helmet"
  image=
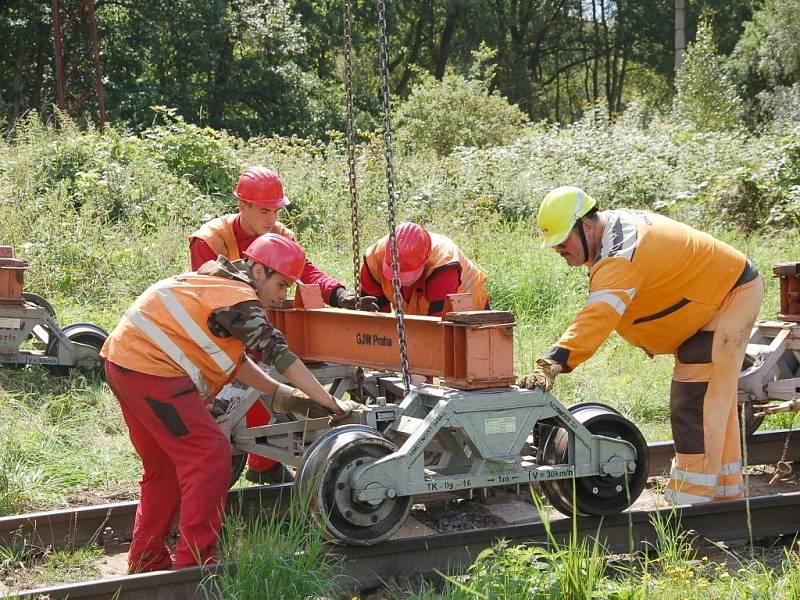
[{"x": 560, "y": 210}]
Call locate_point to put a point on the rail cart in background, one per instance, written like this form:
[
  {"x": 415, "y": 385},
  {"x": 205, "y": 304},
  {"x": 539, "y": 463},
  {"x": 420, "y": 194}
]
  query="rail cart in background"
[
  {"x": 770, "y": 380},
  {"x": 29, "y": 332}
]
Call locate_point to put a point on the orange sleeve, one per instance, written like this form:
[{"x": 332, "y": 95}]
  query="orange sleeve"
[{"x": 612, "y": 285}]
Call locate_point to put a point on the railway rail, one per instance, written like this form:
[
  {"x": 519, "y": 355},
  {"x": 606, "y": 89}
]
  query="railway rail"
[
  {"x": 111, "y": 524},
  {"x": 366, "y": 567}
]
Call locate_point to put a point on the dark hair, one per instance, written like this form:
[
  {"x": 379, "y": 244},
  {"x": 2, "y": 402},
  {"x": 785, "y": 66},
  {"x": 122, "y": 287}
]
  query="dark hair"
[
  {"x": 267, "y": 271},
  {"x": 592, "y": 214}
]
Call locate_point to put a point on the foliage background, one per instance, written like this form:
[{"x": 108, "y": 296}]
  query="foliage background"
[{"x": 265, "y": 67}]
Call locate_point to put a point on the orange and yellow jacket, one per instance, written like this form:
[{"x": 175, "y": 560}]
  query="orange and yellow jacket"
[
  {"x": 166, "y": 333},
  {"x": 444, "y": 252},
  {"x": 655, "y": 281},
  {"x": 220, "y": 236}
]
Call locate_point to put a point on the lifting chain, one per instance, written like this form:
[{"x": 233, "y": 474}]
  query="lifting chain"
[
  {"x": 351, "y": 145},
  {"x": 392, "y": 200},
  {"x": 783, "y": 468},
  {"x": 355, "y": 232}
]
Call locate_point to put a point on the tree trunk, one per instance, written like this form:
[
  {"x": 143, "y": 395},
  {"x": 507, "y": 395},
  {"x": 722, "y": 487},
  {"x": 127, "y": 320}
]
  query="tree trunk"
[
  {"x": 17, "y": 81},
  {"x": 42, "y": 45},
  {"x": 443, "y": 54},
  {"x": 582, "y": 41},
  {"x": 216, "y": 107},
  {"x": 596, "y": 62},
  {"x": 412, "y": 57},
  {"x": 606, "y": 53},
  {"x": 558, "y": 71}
]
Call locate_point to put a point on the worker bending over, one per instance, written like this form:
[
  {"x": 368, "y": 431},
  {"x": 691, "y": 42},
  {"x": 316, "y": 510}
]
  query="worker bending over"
[
  {"x": 431, "y": 267},
  {"x": 260, "y": 195},
  {"x": 179, "y": 343},
  {"x": 669, "y": 289}
]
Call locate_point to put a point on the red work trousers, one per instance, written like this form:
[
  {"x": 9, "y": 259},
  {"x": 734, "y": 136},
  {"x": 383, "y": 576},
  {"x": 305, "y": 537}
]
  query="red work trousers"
[
  {"x": 255, "y": 417},
  {"x": 187, "y": 465}
]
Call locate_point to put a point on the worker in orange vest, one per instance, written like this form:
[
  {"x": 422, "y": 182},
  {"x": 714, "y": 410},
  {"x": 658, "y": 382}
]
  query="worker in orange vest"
[
  {"x": 260, "y": 195},
  {"x": 669, "y": 289},
  {"x": 179, "y": 343},
  {"x": 431, "y": 266}
]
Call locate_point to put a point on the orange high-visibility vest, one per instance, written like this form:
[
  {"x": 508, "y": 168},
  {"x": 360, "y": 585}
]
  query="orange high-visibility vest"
[
  {"x": 165, "y": 332},
  {"x": 444, "y": 251},
  {"x": 219, "y": 235}
]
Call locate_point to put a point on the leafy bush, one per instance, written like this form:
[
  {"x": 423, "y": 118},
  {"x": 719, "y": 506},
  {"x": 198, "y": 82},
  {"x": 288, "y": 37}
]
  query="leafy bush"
[
  {"x": 202, "y": 155},
  {"x": 442, "y": 115},
  {"x": 781, "y": 106}
]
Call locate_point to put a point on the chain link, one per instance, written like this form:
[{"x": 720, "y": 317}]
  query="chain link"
[
  {"x": 782, "y": 467},
  {"x": 392, "y": 200},
  {"x": 351, "y": 145},
  {"x": 355, "y": 232}
]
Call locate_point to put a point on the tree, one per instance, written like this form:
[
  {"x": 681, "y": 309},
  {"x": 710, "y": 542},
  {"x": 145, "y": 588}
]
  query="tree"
[
  {"x": 706, "y": 97},
  {"x": 766, "y": 60}
]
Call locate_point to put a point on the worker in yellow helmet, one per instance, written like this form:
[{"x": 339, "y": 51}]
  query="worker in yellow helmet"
[{"x": 669, "y": 289}]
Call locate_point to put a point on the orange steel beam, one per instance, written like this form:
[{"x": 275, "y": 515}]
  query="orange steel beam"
[{"x": 466, "y": 355}]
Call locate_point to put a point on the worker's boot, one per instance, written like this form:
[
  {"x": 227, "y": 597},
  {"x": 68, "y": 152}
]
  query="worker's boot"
[
  {"x": 276, "y": 475},
  {"x": 151, "y": 561}
]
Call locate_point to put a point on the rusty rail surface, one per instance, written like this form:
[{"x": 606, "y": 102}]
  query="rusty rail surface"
[
  {"x": 364, "y": 568},
  {"x": 112, "y": 524}
]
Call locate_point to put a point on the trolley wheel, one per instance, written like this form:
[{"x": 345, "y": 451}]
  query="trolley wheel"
[
  {"x": 324, "y": 481},
  {"x": 80, "y": 333},
  {"x": 595, "y": 495},
  {"x": 751, "y": 422}
]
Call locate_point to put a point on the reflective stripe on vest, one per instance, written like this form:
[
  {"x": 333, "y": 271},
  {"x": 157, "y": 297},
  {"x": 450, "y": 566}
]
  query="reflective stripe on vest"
[
  {"x": 168, "y": 347},
  {"x": 609, "y": 296},
  {"x": 166, "y": 332},
  {"x": 191, "y": 327}
]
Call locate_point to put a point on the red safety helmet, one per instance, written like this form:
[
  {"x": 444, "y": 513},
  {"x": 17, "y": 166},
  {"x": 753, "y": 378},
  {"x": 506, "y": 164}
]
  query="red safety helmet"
[
  {"x": 260, "y": 186},
  {"x": 279, "y": 254},
  {"x": 413, "y": 252}
]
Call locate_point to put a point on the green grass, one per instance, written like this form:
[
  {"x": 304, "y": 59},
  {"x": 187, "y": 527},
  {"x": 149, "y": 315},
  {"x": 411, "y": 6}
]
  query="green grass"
[
  {"x": 28, "y": 568},
  {"x": 101, "y": 217},
  {"x": 578, "y": 570},
  {"x": 276, "y": 558},
  {"x": 59, "y": 437}
]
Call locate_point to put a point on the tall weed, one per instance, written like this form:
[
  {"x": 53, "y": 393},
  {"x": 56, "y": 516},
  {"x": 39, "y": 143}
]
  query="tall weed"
[{"x": 280, "y": 558}]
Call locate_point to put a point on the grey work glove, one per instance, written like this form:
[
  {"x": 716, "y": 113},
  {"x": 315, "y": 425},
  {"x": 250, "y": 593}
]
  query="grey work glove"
[
  {"x": 218, "y": 407},
  {"x": 351, "y": 414},
  {"x": 288, "y": 399},
  {"x": 352, "y": 302},
  {"x": 542, "y": 377}
]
